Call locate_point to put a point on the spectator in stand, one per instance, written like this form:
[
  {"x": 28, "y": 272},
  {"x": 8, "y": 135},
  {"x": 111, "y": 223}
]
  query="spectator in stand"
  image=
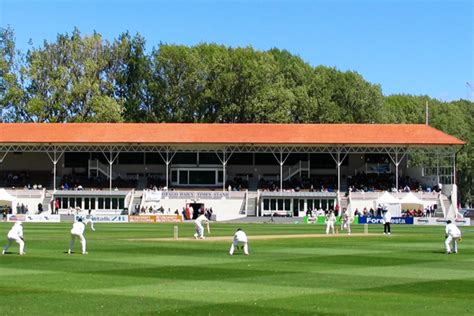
[{"x": 56, "y": 206}]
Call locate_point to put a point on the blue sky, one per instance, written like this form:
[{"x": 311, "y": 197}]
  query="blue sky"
[{"x": 418, "y": 47}]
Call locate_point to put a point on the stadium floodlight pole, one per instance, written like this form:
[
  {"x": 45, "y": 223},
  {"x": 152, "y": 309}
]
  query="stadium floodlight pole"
[
  {"x": 55, "y": 157},
  {"x": 167, "y": 161}
]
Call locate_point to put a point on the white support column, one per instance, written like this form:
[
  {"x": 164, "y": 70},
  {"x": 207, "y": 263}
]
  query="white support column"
[
  {"x": 167, "y": 161},
  {"x": 338, "y": 160},
  {"x": 111, "y": 159},
  {"x": 454, "y": 170},
  {"x": 225, "y": 159},
  {"x": 55, "y": 156},
  {"x": 396, "y": 161},
  {"x": 281, "y": 161}
]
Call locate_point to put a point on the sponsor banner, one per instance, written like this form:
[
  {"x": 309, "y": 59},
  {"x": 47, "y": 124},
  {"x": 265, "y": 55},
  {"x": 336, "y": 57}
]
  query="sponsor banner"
[
  {"x": 105, "y": 218},
  {"x": 378, "y": 220},
  {"x": 169, "y": 218},
  {"x": 153, "y": 196},
  {"x": 209, "y": 195},
  {"x": 142, "y": 219},
  {"x": 43, "y": 218},
  {"x": 441, "y": 221},
  {"x": 16, "y": 217}
]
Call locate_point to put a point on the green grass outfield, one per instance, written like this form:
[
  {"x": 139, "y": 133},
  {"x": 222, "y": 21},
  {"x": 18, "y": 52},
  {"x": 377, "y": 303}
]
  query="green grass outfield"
[{"x": 403, "y": 274}]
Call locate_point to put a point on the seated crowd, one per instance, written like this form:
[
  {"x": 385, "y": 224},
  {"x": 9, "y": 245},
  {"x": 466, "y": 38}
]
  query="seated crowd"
[{"x": 29, "y": 180}]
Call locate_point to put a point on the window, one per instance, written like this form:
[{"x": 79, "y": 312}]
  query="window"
[
  {"x": 174, "y": 176},
  {"x": 266, "y": 204},
  {"x": 64, "y": 203},
  {"x": 121, "y": 203},
  {"x": 114, "y": 203},
  {"x": 107, "y": 203},
  {"x": 202, "y": 177},
  {"x": 287, "y": 204},
  {"x": 92, "y": 204},
  {"x": 86, "y": 203},
  {"x": 101, "y": 204},
  {"x": 273, "y": 204},
  {"x": 183, "y": 177},
  {"x": 280, "y": 204}
]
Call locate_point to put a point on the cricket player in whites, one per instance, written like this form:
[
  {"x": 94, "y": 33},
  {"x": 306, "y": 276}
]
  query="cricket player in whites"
[
  {"x": 199, "y": 226},
  {"x": 330, "y": 221},
  {"x": 15, "y": 234},
  {"x": 453, "y": 235},
  {"x": 239, "y": 238},
  {"x": 78, "y": 231},
  {"x": 346, "y": 221}
]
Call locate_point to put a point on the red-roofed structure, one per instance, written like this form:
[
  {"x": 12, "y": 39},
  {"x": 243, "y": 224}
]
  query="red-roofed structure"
[{"x": 224, "y": 134}]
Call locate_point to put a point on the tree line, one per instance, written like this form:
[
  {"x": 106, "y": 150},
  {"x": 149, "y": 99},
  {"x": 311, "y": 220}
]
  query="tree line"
[{"x": 86, "y": 78}]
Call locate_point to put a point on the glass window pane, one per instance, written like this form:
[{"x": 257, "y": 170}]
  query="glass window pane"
[
  {"x": 92, "y": 204},
  {"x": 183, "y": 177},
  {"x": 273, "y": 204},
  {"x": 174, "y": 176},
  {"x": 266, "y": 204},
  {"x": 101, "y": 204},
  {"x": 202, "y": 177},
  {"x": 280, "y": 204},
  {"x": 287, "y": 204},
  {"x": 114, "y": 203},
  {"x": 107, "y": 203},
  {"x": 121, "y": 203}
]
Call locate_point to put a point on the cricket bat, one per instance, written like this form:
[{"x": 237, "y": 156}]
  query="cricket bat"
[{"x": 208, "y": 228}]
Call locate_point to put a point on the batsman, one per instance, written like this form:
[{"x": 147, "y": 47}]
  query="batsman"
[{"x": 199, "y": 226}]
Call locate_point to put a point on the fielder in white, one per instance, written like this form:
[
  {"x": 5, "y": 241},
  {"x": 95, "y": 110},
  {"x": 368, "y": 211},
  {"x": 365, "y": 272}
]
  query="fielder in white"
[
  {"x": 199, "y": 226},
  {"x": 77, "y": 231},
  {"x": 15, "y": 234},
  {"x": 240, "y": 237},
  {"x": 453, "y": 235},
  {"x": 330, "y": 221},
  {"x": 346, "y": 222}
]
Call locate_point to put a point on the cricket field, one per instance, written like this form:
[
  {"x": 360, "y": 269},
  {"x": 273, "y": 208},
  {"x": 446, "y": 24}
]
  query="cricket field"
[{"x": 293, "y": 269}]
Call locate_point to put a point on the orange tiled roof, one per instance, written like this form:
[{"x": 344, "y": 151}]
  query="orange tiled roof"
[{"x": 188, "y": 133}]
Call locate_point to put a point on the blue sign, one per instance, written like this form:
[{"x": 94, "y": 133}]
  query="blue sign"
[{"x": 378, "y": 220}]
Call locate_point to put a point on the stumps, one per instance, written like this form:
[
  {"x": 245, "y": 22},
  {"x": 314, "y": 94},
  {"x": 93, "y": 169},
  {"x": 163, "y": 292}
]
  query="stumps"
[{"x": 175, "y": 232}]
